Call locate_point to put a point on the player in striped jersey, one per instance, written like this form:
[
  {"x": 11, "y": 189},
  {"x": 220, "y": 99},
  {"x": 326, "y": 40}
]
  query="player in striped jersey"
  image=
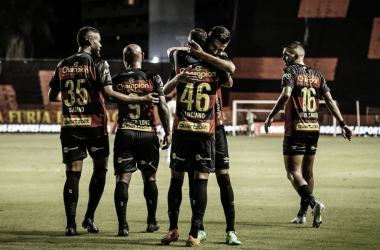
[
  {"x": 302, "y": 88},
  {"x": 193, "y": 134},
  {"x": 136, "y": 142},
  {"x": 80, "y": 82}
]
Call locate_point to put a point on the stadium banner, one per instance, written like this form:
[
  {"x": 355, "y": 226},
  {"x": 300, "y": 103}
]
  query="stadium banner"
[{"x": 277, "y": 129}]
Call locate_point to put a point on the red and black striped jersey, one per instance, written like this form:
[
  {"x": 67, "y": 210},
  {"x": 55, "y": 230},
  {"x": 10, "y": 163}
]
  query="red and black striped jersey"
[
  {"x": 80, "y": 79},
  {"x": 194, "y": 118},
  {"x": 301, "y": 111},
  {"x": 137, "y": 82}
]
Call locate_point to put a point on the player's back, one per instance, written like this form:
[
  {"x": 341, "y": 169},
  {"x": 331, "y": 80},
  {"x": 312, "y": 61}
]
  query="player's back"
[
  {"x": 301, "y": 112},
  {"x": 137, "y": 82},
  {"x": 195, "y": 101},
  {"x": 83, "y": 112}
]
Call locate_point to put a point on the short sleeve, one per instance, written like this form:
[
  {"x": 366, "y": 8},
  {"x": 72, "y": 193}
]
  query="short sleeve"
[
  {"x": 324, "y": 87},
  {"x": 55, "y": 82},
  {"x": 158, "y": 85},
  {"x": 224, "y": 77},
  {"x": 288, "y": 78},
  {"x": 103, "y": 73}
]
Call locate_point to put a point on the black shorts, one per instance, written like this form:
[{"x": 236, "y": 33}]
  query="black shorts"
[
  {"x": 76, "y": 150},
  {"x": 135, "y": 150},
  {"x": 195, "y": 155},
  {"x": 299, "y": 146},
  {"x": 222, "y": 160}
]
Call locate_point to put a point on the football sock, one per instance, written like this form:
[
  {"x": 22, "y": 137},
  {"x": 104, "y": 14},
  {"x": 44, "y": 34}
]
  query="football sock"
[
  {"x": 151, "y": 196},
  {"x": 121, "y": 200},
  {"x": 227, "y": 199},
  {"x": 199, "y": 205},
  {"x": 174, "y": 202},
  {"x": 96, "y": 188},
  {"x": 303, "y": 208},
  {"x": 70, "y": 196},
  {"x": 306, "y": 195},
  {"x": 190, "y": 175}
]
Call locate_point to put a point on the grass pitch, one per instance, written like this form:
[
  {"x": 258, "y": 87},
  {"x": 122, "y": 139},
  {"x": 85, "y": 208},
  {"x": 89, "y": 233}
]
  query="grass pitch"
[{"x": 347, "y": 181}]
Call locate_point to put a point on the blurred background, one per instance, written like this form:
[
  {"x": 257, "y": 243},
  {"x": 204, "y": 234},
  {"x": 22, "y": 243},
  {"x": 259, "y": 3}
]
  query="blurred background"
[{"x": 341, "y": 37}]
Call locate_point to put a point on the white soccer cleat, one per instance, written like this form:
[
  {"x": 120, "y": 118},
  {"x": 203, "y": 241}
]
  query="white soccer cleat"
[
  {"x": 299, "y": 220},
  {"x": 318, "y": 209}
]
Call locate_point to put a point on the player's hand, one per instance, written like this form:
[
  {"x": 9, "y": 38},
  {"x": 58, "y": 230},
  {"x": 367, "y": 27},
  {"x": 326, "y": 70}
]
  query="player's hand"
[
  {"x": 151, "y": 99},
  {"x": 268, "y": 122},
  {"x": 167, "y": 142},
  {"x": 347, "y": 133},
  {"x": 194, "y": 49},
  {"x": 186, "y": 76}
]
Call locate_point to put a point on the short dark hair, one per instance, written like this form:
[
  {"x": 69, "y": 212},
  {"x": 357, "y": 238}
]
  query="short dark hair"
[
  {"x": 293, "y": 45},
  {"x": 220, "y": 33},
  {"x": 199, "y": 36},
  {"x": 81, "y": 36}
]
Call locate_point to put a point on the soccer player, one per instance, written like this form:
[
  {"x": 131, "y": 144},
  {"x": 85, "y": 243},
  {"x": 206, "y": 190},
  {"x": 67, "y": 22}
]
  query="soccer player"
[
  {"x": 218, "y": 39},
  {"x": 136, "y": 142},
  {"x": 302, "y": 88},
  {"x": 80, "y": 82},
  {"x": 193, "y": 134}
]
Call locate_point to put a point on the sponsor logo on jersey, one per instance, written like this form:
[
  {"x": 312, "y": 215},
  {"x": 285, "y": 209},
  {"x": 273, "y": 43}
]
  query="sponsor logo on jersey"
[
  {"x": 175, "y": 157},
  {"x": 196, "y": 127},
  {"x": 94, "y": 149},
  {"x": 131, "y": 85},
  {"x": 66, "y": 149},
  {"x": 307, "y": 126},
  {"x": 77, "y": 121},
  {"x": 307, "y": 80},
  {"x": 201, "y": 74},
  {"x": 198, "y": 158},
  {"x": 80, "y": 69},
  {"x": 120, "y": 160}
]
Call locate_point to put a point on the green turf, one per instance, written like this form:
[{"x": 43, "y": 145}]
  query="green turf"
[{"x": 347, "y": 181}]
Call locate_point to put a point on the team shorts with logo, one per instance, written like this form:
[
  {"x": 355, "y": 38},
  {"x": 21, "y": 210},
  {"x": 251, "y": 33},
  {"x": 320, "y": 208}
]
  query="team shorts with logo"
[
  {"x": 135, "y": 150},
  {"x": 299, "y": 146},
  {"x": 195, "y": 155},
  {"x": 222, "y": 160},
  {"x": 76, "y": 150}
]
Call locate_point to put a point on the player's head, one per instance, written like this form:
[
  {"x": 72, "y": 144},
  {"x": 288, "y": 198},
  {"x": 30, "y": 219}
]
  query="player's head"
[
  {"x": 199, "y": 36},
  {"x": 89, "y": 37},
  {"x": 132, "y": 54},
  {"x": 293, "y": 53},
  {"x": 218, "y": 39}
]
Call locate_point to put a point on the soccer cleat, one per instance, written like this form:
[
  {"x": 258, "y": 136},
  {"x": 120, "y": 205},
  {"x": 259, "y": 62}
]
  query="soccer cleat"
[
  {"x": 231, "y": 238},
  {"x": 70, "y": 231},
  {"x": 202, "y": 236},
  {"x": 123, "y": 233},
  {"x": 171, "y": 236},
  {"x": 152, "y": 227},
  {"x": 318, "y": 209},
  {"x": 299, "y": 220},
  {"x": 89, "y": 224},
  {"x": 191, "y": 242}
]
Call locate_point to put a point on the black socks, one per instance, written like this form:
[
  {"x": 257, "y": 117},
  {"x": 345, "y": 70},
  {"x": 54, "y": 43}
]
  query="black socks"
[
  {"x": 96, "y": 188},
  {"x": 306, "y": 196},
  {"x": 174, "y": 202},
  {"x": 151, "y": 196},
  {"x": 227, "y": 199},
  {"x": 70, "y": 196},
  {"x": 121, "y": 200},
  {"x": 199, "y": 205}
]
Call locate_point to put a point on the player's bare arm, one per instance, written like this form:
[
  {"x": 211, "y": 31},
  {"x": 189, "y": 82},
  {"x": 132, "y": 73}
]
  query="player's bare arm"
[
  {"x": 163, "y": 112},
  {"x": 113, "y": 96},
  {"x": 197, "y": 51},
  {"x": 228, "y": 84},
  {"x": 334, "y": 110},
  {"x": 185, "y": 76},
  {"x": 280, "y": 104},
  {"x": 54, "y": 96}
]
